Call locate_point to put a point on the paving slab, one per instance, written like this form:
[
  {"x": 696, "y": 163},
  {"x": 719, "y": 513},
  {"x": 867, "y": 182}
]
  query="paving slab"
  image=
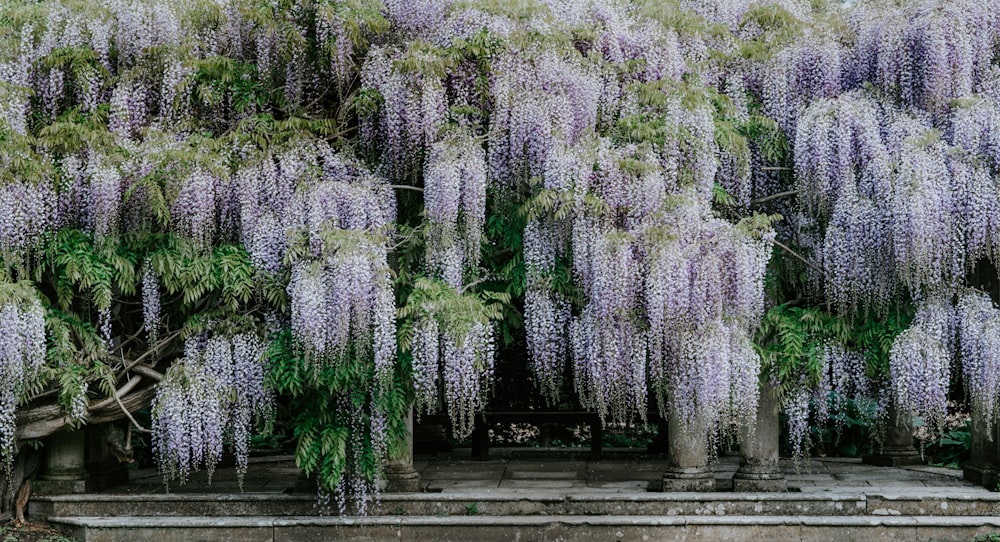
[
  {"x": 547, "y": 470},
  {"x": 622, "y": 486},
  {"x": 542, "y": 484},
  {"x": 513, "y": 471},
  {"x": 455, "y": 485},
  {"x": 464, "y": 472},
  {"x": 938, "y": 471}
]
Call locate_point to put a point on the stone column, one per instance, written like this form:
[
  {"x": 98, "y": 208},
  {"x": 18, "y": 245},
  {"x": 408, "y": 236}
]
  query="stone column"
[
  {"x": 983, "y": 467},
  {"x": 687, "y": 457},
  {"x": 759, "y": 469},
  {"x": 897, "y": 448},
  {"x": 400, "y": 476},
  {"x": 63, "y": 469}
]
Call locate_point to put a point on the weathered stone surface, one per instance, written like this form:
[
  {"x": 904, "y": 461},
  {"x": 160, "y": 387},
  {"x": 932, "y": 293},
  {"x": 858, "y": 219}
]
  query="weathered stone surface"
[
  {"x": 672, "y": 481},
  {"x": 897, "y": 448},
  {"x": 983, "y": 467},
  {"x": 898, "y": 504},
  {"x": 759, "y": 462},
  {"x": 63, "y": 467},
  {"x": 194, "y": 529},
  {"x": 402, "y": 478},
  {"x": 687, "y": 458},
  {"x": 542, "y": 484},
  {"x": 400, "y": 475},
  {"x": 485, "y": 529},
  {"x": 931, "y": 505}
]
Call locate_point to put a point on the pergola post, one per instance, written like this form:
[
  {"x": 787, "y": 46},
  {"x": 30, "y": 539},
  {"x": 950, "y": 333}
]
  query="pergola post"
[
  {"x": 759, "y": 469},
  {"x": 400, "y": 476},
  {"x": 983, "y": 467},
  {"x": 687, "y": 457},
  {"x": 897, "y": 448},
  {"x": 64, "y": 467}
]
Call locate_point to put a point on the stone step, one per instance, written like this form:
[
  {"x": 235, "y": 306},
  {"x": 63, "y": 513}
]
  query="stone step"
[
  {"x": 536, "y": 528},
  {"x": 535, "y": 503}
]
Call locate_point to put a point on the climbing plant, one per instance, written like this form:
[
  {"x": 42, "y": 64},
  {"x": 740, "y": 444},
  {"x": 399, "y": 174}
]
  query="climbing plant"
[{"x": 352, "y": 207}]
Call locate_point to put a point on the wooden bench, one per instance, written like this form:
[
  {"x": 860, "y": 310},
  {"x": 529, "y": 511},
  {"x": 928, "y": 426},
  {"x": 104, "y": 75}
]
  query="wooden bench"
[{"x": 481, "y": 433}]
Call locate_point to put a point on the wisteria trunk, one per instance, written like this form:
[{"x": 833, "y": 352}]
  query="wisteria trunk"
[
  {"x": 897, "y": 447},
  {"x": 400, "y": 476},
  {"x": 24, "y": 467},
  {"x": 63, "y": 469},
  {"x": 759, "y": 469},
  {"x": 983, "y": 467},
  {"x": 687, "y": 457}
]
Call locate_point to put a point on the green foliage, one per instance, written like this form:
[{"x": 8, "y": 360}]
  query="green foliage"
[
  {"x": 791, "y": 340},
  {"x": 850, "y": 432},
  {"x": 874, "y": 335},
  {"x": 952, "y": 448},
  {"x": 770, "y": 139},
  {"x": 505, "y": 268},
  {"x": 779, "y": 28},
  {"x": 456, "y": 311},
  {"x": 21, "y": 160},
  {"x": 327, "y": 442}
]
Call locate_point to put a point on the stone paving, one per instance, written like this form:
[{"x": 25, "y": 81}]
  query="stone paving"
[
  {"x": 517, "y": 471},
  {"x": 541, "y": 495}
]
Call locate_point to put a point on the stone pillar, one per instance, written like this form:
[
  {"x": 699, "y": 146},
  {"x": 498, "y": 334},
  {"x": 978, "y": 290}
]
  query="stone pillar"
[
  {"x": 63, "y": 469},
  {"x": 687, "y": 457},
  {"x": 897, "y": 448},
  {"x": 983, "y": 467},
  {"x": 104, "y": 467},
  {"x": 759, "y": 469},
  {"x": 400, "y": 476}
]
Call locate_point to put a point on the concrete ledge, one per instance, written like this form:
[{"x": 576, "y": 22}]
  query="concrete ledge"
[
  {"x": 503, "y": 521},
  {"x": 960, "y": 505},
  {"x": 529, "y": 504},
  {"x": 487, "y": 528}
]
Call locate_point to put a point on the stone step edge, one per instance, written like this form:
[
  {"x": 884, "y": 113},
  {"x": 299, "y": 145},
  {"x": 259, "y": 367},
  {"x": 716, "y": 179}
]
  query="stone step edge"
[
  {"x": 541, "y": 497},
  {"x": 199, "y": 522}
]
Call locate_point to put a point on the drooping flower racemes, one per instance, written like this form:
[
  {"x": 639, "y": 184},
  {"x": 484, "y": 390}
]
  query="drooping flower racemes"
[
  {"x": 22, "y": 355},
  {"x": 214, "y": 394}
]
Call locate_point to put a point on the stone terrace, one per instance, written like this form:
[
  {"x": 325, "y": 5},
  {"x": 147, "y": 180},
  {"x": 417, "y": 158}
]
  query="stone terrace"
[{"x": 542, "y": 495}]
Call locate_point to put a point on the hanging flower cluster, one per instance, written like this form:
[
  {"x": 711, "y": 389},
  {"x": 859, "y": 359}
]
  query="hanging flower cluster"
[
  {"x": 927, "y": 54},
  {"x": 22, "y": 355},
  {"x": 413, "y": 111},
  {"x": 453, "y": 349},
  {"x": 608, "y": 344},
  {"x": 848, "y": 378},
  {"x": 214, "y": 394},
  {"x": 703, "y": 296},
  {"x": 808, "y": 70},
  {"x": 921, "y": 358},
  {"x": 335, "y": 223},
  {"x": 979, "y": 351},
  {"x": 540, "y": 102},
  {"x": 670, "y": 294},
  {"x": 455, "y": 204},
  {"x": 27, "y": 215},
  {"x": 547, "y": 313}
]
